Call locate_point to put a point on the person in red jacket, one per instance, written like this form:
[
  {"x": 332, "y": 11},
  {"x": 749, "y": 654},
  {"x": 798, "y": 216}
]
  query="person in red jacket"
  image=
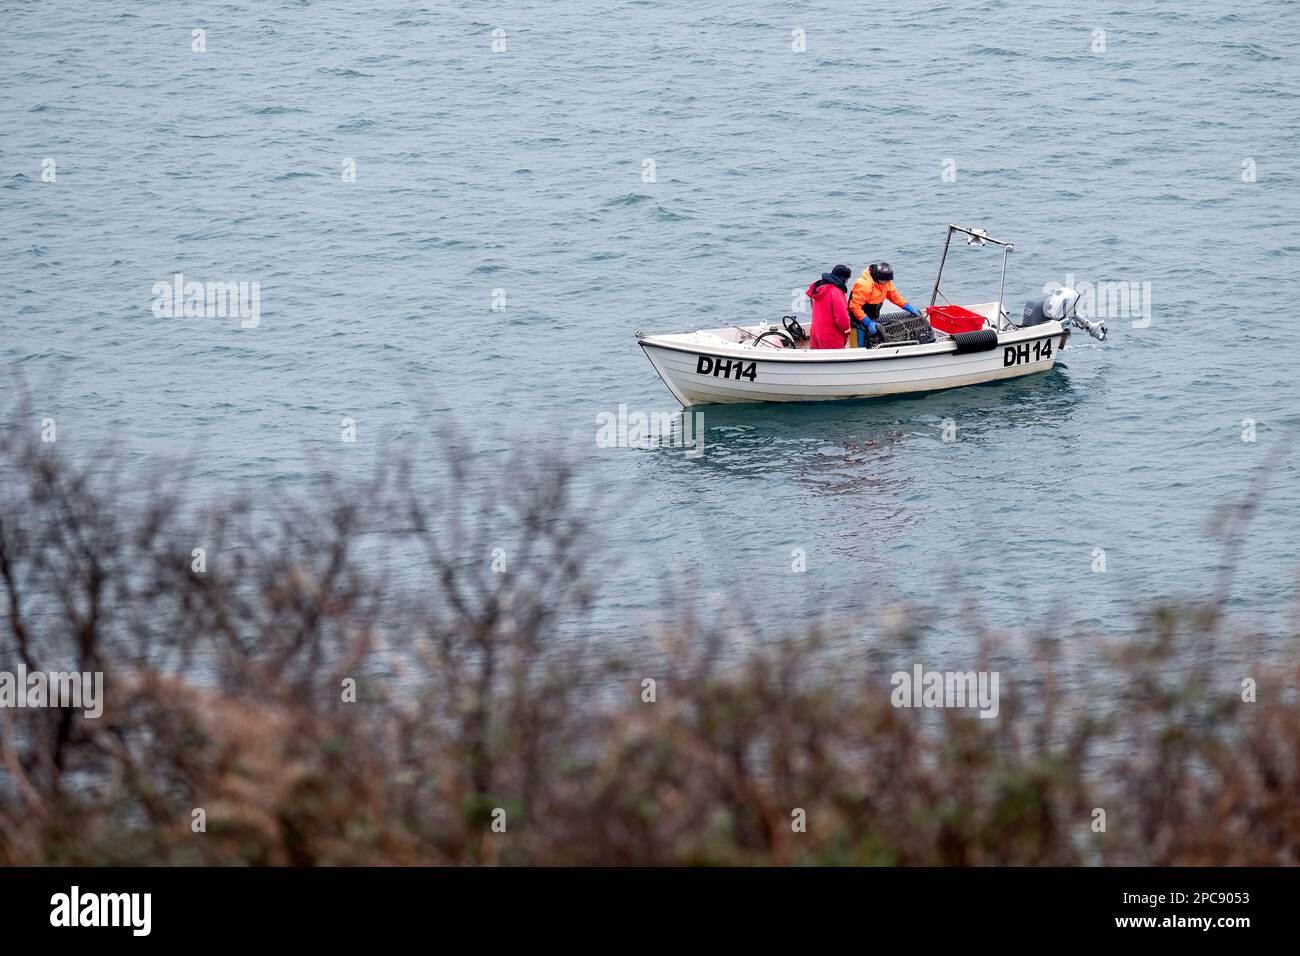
[{"x": 830, "y": 308}]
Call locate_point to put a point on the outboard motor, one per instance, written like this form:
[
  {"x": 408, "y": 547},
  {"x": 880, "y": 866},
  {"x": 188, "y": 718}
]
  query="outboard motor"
[{"x": 1060, "y": 305}]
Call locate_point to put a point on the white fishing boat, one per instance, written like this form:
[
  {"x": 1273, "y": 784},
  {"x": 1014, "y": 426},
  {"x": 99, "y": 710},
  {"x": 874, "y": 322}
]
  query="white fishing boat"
[{"x": 950, "y": 346}]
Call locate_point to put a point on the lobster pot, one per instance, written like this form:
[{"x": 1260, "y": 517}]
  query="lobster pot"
[{"x": 904, "y": 327}]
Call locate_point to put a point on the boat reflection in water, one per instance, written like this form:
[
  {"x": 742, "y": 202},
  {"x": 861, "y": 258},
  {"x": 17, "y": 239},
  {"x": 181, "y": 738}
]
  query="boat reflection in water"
[
  {"x": 805, "y": 442},
  {"x": 879, "y": 501}
]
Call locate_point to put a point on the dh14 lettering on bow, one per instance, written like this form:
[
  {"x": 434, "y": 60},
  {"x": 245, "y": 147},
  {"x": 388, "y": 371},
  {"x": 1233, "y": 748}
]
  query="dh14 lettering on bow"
[
  {"x": 726, "y": 368},
  {"x": 1018, "y": 354}
]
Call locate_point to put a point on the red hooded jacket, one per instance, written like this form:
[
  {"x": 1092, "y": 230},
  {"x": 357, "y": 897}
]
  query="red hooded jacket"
[{"x": 830, "y": 315}]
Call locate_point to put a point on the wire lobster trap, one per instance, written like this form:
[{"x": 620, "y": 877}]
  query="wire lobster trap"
[{"x": 904, "y": 327}]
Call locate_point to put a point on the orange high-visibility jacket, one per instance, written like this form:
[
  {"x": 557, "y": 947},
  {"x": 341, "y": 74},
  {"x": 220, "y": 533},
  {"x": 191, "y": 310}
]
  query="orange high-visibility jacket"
[{"x": 867, "y": 291}]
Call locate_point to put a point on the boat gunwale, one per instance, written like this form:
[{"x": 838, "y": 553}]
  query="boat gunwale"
[{"x": 749, "y": 354}]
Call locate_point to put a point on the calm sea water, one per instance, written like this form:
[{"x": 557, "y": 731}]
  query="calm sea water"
[{"x": 1162, "y": 151}]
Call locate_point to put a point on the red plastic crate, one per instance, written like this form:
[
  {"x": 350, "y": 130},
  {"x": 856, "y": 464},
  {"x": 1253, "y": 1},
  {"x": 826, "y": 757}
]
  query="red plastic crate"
[{"x": 953, "y": 319}]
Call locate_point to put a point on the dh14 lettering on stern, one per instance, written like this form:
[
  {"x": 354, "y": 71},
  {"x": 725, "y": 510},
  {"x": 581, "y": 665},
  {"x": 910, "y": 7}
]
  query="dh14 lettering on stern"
[{"x": 1026, "y": 352}]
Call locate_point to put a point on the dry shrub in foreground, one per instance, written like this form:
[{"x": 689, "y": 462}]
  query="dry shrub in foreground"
[{"x": 477, "y": 692}]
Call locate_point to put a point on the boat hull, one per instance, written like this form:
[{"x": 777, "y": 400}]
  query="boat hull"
[{"x": 722, "y": 373}]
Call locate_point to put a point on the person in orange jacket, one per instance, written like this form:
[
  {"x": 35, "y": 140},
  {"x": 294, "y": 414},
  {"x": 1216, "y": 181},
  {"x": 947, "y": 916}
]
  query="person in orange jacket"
[{"x": 875, "y": 285}]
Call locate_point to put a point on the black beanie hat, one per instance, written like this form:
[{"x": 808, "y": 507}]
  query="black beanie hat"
[{"x": 842, "y": 272}]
